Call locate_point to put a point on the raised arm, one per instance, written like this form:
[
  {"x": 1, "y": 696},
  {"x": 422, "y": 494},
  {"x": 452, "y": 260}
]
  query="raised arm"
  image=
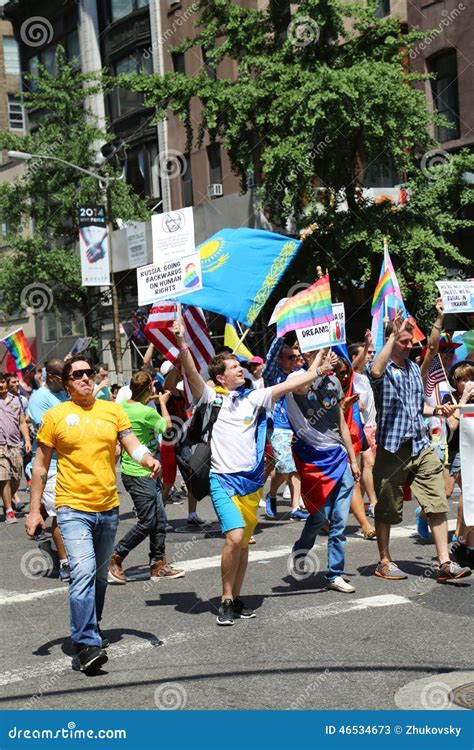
[
  {"x": 301, "y": 383},
  {"x": 196, "y": 382},
  {"x": 360, "y": 359},
  {"x": 380, "y": 364},
  {"x": 433, "y": 341},
  {"x": 39, "y": 477}
]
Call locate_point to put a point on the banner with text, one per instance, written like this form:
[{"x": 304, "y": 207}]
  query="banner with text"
[
  {"x": 94, "y": 246},
  {"x": 136, "y": 244},
  {"x": 326, "y": 334},
  {"x": 176, "y": 267},
  {"x": 457, "y": 296}
]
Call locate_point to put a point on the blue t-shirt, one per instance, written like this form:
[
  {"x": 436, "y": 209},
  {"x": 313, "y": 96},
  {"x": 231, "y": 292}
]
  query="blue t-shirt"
[{"x": 39, "y": 403}]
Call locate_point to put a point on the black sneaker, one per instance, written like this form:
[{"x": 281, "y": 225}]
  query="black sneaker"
[
  {"x": 241, "y": 611},
  {"x": 225, "y": 616},
  {"x": 105, "y": 641},
  {"x": 89, "y": 659}
]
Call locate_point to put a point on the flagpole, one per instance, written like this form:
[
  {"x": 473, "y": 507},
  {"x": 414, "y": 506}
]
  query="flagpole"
[
  {"x": 240, "y": 341},
  {"x": 385, "y": 300},
  {"x": 445, "y": 377},
  {"x": 179, "y": 313}
]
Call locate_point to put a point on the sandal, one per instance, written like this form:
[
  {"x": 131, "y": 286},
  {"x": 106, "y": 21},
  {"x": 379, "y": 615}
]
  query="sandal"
[
  {"x": 370, "y": 534},
  {"x": 252, "y": 540}
]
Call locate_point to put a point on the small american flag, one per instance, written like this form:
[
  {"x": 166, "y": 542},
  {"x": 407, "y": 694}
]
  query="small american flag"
[
  {"x": 158, "y": 332},
  {"x": 435, "y": 375}
]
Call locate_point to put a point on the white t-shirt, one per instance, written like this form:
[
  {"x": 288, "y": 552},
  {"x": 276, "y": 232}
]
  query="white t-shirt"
[
  {"x": 233, "y": 444},
  {"x": 363, "y": 387},
  {"x": 123, "y": 394}
]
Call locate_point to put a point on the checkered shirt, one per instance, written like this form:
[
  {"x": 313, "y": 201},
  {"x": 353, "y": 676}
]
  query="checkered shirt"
[{"x": 399, "y": 398}]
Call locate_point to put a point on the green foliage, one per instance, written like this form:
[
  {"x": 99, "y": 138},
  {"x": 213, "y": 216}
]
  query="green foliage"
[
  {"x": 315, "y": 101},
  {"x": 48, "y": 195}
]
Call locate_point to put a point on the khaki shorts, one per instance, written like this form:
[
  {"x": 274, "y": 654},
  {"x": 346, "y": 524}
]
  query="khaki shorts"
[
  {"x": 423, "y": 473},
  {"x": 11, "y": 463}
]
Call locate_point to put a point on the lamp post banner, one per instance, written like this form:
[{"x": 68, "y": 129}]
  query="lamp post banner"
[{"x": 94, "y": 246}]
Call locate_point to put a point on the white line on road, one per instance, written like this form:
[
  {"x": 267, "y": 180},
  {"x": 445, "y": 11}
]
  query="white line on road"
[
  {"x": 133, "y": 647},
  {"x": 348, "y": 605},
  {"x": 203, "y": 563}
]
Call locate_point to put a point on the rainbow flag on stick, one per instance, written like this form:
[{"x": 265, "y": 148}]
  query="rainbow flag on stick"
[
  {"x": 18, "y": 347},
  {"x": 308, "y": 308},
  {"x": 385, "y": 286}
]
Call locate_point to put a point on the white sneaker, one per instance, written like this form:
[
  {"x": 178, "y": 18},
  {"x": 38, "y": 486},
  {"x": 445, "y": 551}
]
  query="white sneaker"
[
  {"x": 339, "y": 584},
  {"x": 286, "y": 493}
]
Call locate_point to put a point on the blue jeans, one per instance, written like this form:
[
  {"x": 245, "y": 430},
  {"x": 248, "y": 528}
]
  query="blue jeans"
[
  {"x": 146, "y": 497},
  {"x": 336, "y": 511},
  {"x": 89, "y": 541}
]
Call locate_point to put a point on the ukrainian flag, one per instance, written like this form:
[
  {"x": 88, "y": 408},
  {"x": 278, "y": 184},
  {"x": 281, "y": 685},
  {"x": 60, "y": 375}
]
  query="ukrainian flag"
[{"x": 232, "y": 338}]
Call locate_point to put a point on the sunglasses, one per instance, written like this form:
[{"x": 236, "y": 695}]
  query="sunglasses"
[
  {"x": 292, "y": 356},
  {"x": 79, "y": 374}
]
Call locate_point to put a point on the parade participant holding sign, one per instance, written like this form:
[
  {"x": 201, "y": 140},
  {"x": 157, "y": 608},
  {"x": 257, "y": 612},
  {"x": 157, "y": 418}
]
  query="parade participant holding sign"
[
  {"x": 237, "y": 446},
  {"x": 84, "y": 434},
  {"x": 403, "y": 452}
]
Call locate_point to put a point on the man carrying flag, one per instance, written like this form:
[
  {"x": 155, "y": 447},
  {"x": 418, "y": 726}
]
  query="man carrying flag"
[{"x": 237, "y": 447}]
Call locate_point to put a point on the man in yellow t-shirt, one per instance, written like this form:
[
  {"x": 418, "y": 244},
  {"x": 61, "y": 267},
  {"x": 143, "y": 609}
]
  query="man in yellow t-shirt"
[{"x": 84, "y": 434}]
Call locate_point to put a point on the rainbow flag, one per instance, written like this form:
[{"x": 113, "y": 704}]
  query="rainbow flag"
[
  {"x": 308, "y": 308},
  {"x": 18, "y": 347},
  {"x": 385, "y": 286}
]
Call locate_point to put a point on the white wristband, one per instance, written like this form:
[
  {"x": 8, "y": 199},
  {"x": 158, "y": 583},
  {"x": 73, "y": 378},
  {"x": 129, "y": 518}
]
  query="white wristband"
[{"x": 139, "y": 452}]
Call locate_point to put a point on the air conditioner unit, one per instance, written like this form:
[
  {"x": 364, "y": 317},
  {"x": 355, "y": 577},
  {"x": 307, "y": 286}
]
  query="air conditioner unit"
[
  {"x": 251, "y": 181},
  {"x": 214, "y": 191}
]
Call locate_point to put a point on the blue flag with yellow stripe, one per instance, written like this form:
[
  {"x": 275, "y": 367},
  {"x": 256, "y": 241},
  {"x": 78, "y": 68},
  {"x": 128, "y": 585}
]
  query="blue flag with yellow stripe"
[{"x": 240, "y": 269}]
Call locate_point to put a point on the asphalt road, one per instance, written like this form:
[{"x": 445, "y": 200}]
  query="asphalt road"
[{"x": 308, "y": 648}]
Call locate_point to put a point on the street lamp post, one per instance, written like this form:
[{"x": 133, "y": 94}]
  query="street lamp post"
[{"x": 105, "y": 184}]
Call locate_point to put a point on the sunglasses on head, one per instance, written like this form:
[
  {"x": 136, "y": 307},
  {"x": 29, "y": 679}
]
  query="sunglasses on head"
[{"x": 78, "y": 374}]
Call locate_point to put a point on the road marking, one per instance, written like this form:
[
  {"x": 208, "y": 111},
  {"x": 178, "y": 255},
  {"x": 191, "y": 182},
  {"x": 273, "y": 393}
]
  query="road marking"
[
  {"x": 204, "y": 563},
  {"x": 134, "y": 647},
  {"x": 348, "y": 605}
]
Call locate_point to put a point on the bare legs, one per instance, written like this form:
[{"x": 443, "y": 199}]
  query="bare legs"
[{"x": 233, "y": 563}]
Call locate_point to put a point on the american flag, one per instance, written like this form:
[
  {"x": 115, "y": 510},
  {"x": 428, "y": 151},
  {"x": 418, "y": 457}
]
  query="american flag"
[
  {"x": 158, "y": 332},
  {"x": 436, "y": 374}
]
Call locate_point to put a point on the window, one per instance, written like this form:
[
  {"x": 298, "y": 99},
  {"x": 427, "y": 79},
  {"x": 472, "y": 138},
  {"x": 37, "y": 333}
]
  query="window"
[
  {"x": 57, "y": 326},
  {"x": 214, "y": 159},
  {"x": 187, "y": 182},
  {"x": 383, "y": 8},
  {"x": 178, "y": 62},
  {"x": 121, "y": 8},
  {"x": 16, "y": 113},
  {"x": 72, "y": 47},
  {"x": 209, "y": 64},
  {"x": 125, "y": 100},
  {"x": 444, "y": 89},
  {"x": 11, "y": 56},
  {"x": 143, "y": 170},
  {"x": 48, "y": 59}
]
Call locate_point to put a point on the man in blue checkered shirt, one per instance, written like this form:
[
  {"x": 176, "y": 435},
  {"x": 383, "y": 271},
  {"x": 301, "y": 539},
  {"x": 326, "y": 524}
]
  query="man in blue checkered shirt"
[{"x": 404, "y": 455}]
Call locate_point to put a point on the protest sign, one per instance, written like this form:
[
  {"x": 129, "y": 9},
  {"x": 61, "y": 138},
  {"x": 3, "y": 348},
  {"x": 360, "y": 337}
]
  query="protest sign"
[
  {"x": 457, "y": 296},
  {"x": 166, "y": 280},
  {"x": 173, "y": 235},
  {"x": 94, "y": 246},
  {"x": 136, "y": 244},
  {"x": 325, "y": 334}
]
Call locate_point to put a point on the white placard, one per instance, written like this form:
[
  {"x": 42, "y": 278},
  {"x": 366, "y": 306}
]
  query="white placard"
[
  {"x": 457, "y": 296},
  {"x": 173, "y": 235},
  {"x": 325, "y": 334},
  {"x": 466, "y": 445},
  {"x": 94, "y": 248},
  {"x": 136, "y": 243},
  {"x": 168, "y": 279}
]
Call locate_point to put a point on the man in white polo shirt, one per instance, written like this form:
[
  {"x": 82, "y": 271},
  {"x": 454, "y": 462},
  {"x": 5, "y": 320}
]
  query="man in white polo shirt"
[{"x": 237, "y": 448}]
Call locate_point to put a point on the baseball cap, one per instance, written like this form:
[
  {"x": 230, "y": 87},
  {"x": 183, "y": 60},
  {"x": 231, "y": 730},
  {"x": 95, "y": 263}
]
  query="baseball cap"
[{"x": 256, "y": 361}]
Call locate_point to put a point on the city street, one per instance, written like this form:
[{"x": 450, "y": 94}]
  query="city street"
[{"x": 309, "y": 648}]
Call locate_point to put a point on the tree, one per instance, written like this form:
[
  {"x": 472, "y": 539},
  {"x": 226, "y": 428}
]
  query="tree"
[
  {"x": 317, "y": 99},
  {"x": 41, "y": 208}
]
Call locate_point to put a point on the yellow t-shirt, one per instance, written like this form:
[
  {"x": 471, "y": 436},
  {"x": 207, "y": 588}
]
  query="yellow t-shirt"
[{"x": 85, "y": 439}]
